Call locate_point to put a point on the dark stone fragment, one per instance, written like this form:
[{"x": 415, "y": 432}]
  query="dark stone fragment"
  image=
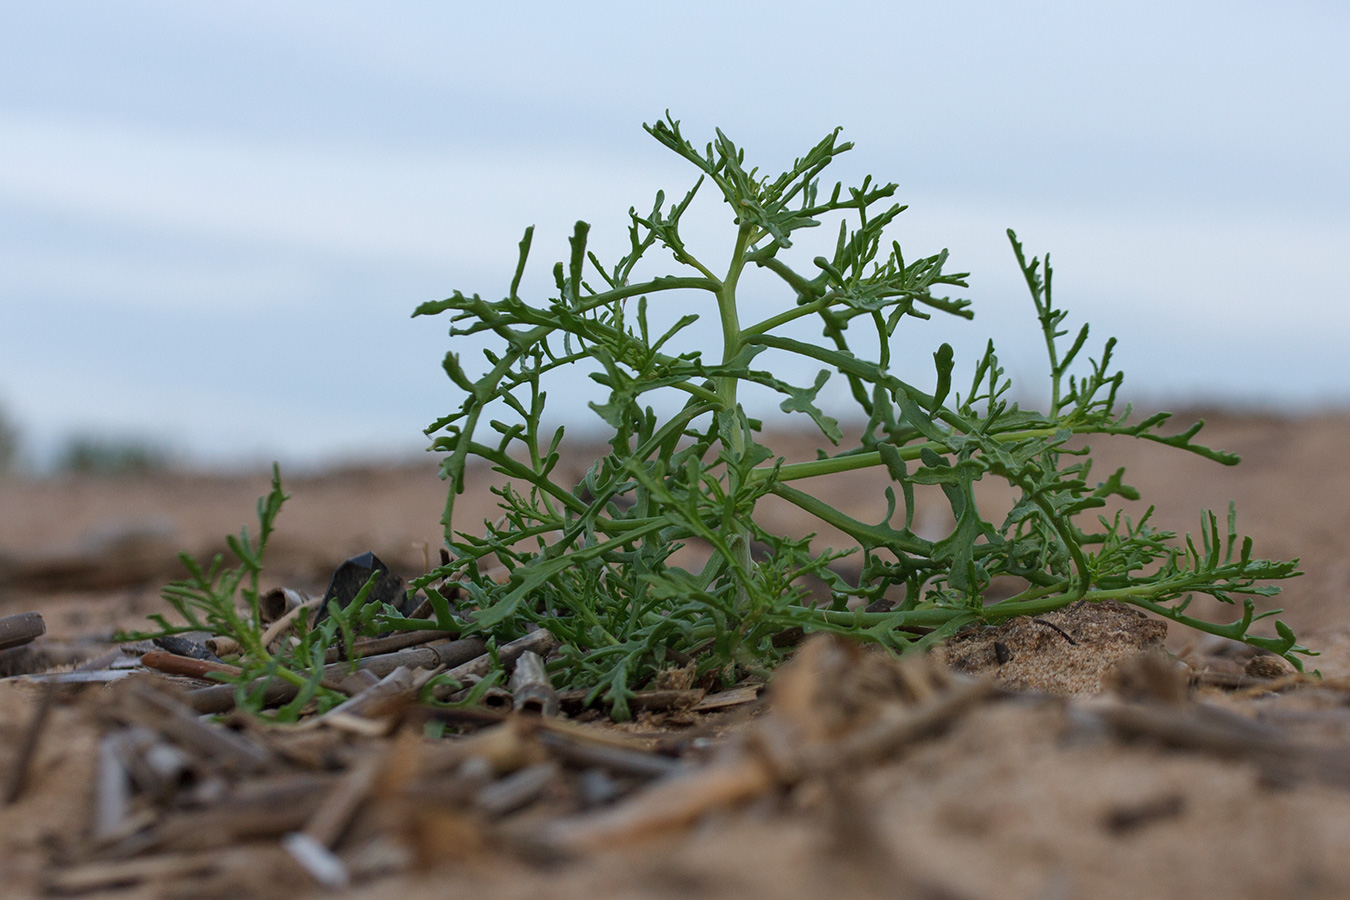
[
  {"x": 176, "y": 643},
  {"x": 351, "y": 576}
]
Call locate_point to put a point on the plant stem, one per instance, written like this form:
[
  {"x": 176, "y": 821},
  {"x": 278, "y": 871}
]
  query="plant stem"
[
  {"x": 731, "y": 328},
  {"x": 848, "y": 462},
  {"x": 729, "y": 418}
]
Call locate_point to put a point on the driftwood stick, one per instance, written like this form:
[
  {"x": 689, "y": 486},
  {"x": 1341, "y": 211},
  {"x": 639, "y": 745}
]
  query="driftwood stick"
[
  {"x": 390, "y": 643},
  {"x": 649, "y": 701},
  {"x": 182, "y": 724},
  {"x": 393, "y": 689},
  {"x": 493, "y": 699},
  {"x": 20, "y": 629},
  {"x": 897, "y": 726},
  {"x": 504, "y": 747},
  {"x": 541, "y": 642},
  {"x": 201, "y": 669},
  {"x": 83, "y": 879},
  {"x": 375, "y": 710},
  {"x": 174, "y": 664},
  {"x": 18, "y": 771},
  {"x": 287, "y": 620},
  {"x": 95, "y": 676},
  {"x": 656, "y": 701},
  {"x": 220, "y": 698},
  {"x": 102, "y": 661},
  {"x": 264, "y": 808},
  {"x": 774, "y": 758},
  {"x": 156, "y": 766},
  {"x": 531, "y": 690},
  {"x": 335, "y": 813},
  {"x": 112, "y": 791},
  {"x": 623, "y": 760},
  {"x": 674, "y": 802},
  {"x": 322, "y": 864},
  {"x": 432, "y": 656},
  {"x": 518, "y": 789},
  {"x": 1196, "y": 727},
  {"x": 584, "y": 734},
  {"x": 1209, "y": 730},
  {"x": 734, "y": 697}
]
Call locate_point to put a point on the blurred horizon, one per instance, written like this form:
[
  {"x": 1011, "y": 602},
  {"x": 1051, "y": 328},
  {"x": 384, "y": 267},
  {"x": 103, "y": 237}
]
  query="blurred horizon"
[{"x": 217, "y": 220}]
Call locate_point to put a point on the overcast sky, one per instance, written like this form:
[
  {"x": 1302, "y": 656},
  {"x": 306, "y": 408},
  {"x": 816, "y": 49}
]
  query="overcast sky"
[{"x": 215, "y": 219}]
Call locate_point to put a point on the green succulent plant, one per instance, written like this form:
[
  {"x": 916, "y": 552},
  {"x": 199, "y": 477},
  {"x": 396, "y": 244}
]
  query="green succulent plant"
[{"x": 593, "y": 559}]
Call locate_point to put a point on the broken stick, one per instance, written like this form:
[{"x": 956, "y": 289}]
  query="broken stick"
[
  {"x": 220, "y": 698},
  {"x": 20, "y": 628}
]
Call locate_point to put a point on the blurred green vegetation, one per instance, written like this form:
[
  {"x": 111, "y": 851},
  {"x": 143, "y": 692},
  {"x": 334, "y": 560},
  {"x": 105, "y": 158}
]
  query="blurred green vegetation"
[
  {"x": 111, "y": 456},
  {"x": 9, "y": 442}
]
